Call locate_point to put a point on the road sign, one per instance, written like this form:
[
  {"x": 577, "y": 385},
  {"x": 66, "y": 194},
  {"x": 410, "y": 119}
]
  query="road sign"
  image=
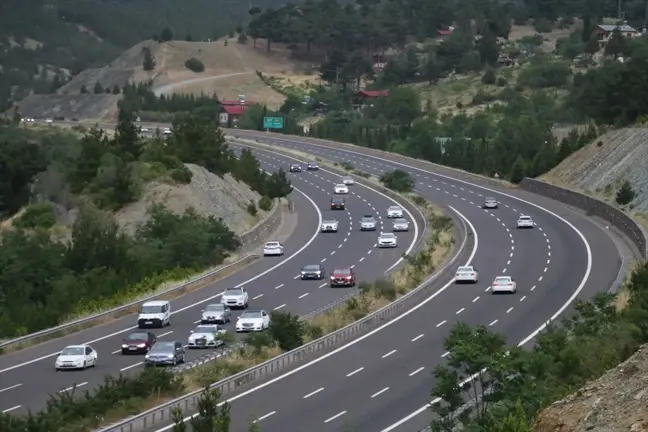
[{"x": 273, "y": 122}]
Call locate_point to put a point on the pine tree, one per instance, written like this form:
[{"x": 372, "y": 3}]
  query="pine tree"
[
  {"x": 626, "y": 194},
  {"x": 148, "y": 64},
  {"x": 126, "y": 143},
  {"x": 98, "y": 88},
  {"x": 519, "y": 170}
]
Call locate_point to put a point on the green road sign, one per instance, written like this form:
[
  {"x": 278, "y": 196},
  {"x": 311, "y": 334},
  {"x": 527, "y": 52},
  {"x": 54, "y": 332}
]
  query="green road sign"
[{"x": 273, "y": 122}]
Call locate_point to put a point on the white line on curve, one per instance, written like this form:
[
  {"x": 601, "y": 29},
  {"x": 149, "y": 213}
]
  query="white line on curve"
[
  {"x": 361, "y": 338},
  {"x": 311, "y": 240}
]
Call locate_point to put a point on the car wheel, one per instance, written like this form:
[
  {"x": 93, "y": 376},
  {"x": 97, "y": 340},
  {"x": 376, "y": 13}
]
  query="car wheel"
[
  {"x": 94, "y": 363},
  {"x": 175, "y": 361},
  {"x": 182, "y": 360},
  {"x": 85, "y": 365}
]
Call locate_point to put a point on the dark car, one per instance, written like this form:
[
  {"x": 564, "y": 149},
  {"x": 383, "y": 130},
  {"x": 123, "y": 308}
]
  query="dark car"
[
  {"x": 312, "y": 166},
  {"x": 343, "y": 277},
  {"x": 295, "y": 168},
  {"x": 312, "y": 271},
  {"x": 138, "y": 342},
  {"x": 165, "y": 353},
  {"x": 337, "y": 203}
]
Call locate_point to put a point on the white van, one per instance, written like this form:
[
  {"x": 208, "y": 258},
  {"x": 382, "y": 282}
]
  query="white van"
[{"x": 154, "y": 314}]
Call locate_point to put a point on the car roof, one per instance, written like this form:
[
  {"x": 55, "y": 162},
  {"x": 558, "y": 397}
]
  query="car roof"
[
  {"x": 489, "y": 199},
  {"x": 525, "y": 217},
  {"x": 503, "y": 277},
  {"x": 343, "y": 269},
  {"x": 312, "y": 265},
  {"x": 156, "y": 303},
  {"x": 251, "y": 311},
  {"x": 400, "y": 220},
  {"x": 394, "y": 207},
  {"x": 465, "y": 267},
  {"x": 329, "y": 220},
  {"x": 388, "y": 234},
  {"x": 77, "y": 346},
  {"x": 272, "y": 242}
]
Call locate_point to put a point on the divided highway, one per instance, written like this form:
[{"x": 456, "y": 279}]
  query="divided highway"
[
  {"x": 27, "y": 377},
  {"x": 381, "y": 382}
]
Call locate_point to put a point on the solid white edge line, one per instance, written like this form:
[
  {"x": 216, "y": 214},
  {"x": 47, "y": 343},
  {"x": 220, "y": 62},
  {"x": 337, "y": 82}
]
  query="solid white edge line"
[
  {"x": 308, "y": 243},
  {"x": 416, "y": 227},
  {"x": 360, "y": 339}
]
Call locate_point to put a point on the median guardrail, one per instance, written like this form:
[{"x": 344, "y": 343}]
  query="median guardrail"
[
  {"x": 249, "y": 240},
  {"x": 188, "y": 403}
]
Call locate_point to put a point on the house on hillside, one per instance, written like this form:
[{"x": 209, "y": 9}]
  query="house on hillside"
[
  {"x": 444, "y": 33},
  {"x": 367, "y": 97},
  {"x": 603, "y": 32},
  {"x": 231, "y": 111}
]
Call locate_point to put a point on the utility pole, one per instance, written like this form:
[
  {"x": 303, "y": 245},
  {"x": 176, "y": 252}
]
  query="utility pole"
[{"x": 619, "y": 9}]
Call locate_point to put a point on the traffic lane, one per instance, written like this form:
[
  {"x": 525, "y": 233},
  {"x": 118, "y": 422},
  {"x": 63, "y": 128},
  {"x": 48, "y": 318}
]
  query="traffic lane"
[
  {"x": 127, "y": 365},
  {"x": 301, "y": 235}
]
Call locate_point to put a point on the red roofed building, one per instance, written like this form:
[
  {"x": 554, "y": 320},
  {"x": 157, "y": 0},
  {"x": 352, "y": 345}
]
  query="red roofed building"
[
  {"x": 365, "y": 97},
  {"x": 231, "y": 111},
  {"x": 444, "y": 33}
]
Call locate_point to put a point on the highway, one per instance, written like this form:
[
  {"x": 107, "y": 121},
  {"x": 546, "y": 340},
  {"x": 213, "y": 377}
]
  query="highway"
[
  {"x": 381, "y": 382},
  {"x": 27, "y": 377}
]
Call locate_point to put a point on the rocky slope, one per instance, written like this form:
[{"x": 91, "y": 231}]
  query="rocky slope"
[
  {"x": 601, "y": 166},
  {"x": 616, "y": 402}
]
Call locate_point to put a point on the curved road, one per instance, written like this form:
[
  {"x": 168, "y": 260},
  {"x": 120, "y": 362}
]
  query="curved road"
[
  {"x": 381, "y": 381},
  {"x": 27, "y": 377}
]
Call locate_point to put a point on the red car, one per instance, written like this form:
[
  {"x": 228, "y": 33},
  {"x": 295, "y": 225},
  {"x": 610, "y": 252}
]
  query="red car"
[
  {"x": 138, "y": 343},
  {"x": 343, "y": 277},
  {"x": 337, "y": 203}
]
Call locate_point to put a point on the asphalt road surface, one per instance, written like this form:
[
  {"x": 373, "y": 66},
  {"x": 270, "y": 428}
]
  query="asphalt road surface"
[{"x": 27, "y": 377}]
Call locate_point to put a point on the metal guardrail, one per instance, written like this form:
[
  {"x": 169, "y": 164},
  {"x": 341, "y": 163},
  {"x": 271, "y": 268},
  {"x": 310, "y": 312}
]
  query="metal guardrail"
[
  {"x": 162, "y": 413},
  {"x": 248, "y": 239}
]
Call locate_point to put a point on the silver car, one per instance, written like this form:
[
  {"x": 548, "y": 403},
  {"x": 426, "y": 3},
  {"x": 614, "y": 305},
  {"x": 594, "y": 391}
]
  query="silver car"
[
  {"x": 216, "y": 313},
  {"x": 490, "y": 203},
  {"x": 368, "y": 223},
  {"x": 401, "y": 225}
]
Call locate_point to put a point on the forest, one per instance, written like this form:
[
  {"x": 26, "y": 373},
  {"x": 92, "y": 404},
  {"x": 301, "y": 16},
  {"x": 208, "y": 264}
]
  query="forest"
[{"x": 46, "y": 278}]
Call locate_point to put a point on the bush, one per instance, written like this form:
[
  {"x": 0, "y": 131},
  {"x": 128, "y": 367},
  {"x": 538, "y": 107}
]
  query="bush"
[
  {"x": 287, "y": 330},
  {"x": 626, "y": 194},
  {"x": 501, "y": 82},
  {"x": 398, "y": 180},
  {"x": 265, "y": 203},
  {"x": 488, "y": 77},
  {"x": 195, "y": 65},
  {"x": 543, "y": 25},
  {"x": 347, "y": 166},
  {"x": 361, "y": 173},
  {"x": 36, "y": 216},
  {"x": 251, "y": 209},
  {"x": 545, "y": 73},
  {"x": 385, "y": 288},
  {"x": 181, "y": 175}
]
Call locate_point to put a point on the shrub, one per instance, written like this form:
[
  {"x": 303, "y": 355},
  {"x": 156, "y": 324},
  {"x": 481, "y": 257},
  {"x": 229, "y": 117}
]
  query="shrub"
[
  {"x": 385, "y": 288},
  {"x": 36, "y": 216},
  {"x": 195, "y": 65},
  {"x": 287, "y": 330},
  {"x": 398, "y": 180},
  {"x": 625, "y": 194},
  {"x": 182, "y": 175},
  {"x": 543, "y": 25},
  {"x": 545, "y": 73},
  {"x": 501, "y": 82},
  {"x": 488, "y": 77},
  {"x": 347, "y": 166},
  {"x": 265, "y": 203},
  {"x": 251, "y": 208},
  {"x": 361, "y": 173}
]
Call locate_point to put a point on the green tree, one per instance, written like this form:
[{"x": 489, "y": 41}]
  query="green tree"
[
  {"x": 19, "y": 163},
  {"x": 592, "y": 46},
  {"x": 278, "y": 185},
  {"x": 287, "y": 330},
  {"x": 94, "y": 145},
  {"x": 519, "y": 170},
  {"x": 98, "y": 88},
  {"x": 616, "y": 45},
  {"x": 212, "y": 416},
  {"x": 148, "y": 64},
  {"x": 248, "y": 170},
  {"x": 431, "y": 69},
  {"x": 195, "y": 65},
  {"x": 200, "y": 141},
  {"x": 126, "y": 143},
  {"x": 166, "y": 35},
  {"x": 36, "y": 216},
  {"x": 116, "y": 90},
  {"x": 626, "y": 194}
]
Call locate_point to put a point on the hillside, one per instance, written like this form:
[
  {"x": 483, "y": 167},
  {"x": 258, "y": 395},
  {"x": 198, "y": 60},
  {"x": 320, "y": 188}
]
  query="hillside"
[
  {"x": 229, "y": 71},
  {"x": 616, "y": 402},
  {"x": 601, "y": 166}
]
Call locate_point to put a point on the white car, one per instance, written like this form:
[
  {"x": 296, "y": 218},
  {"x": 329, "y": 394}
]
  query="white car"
[
  {"x": 394, "y": 212},
  {"x": 49, "y": 121},
  {"x": 525, "y": 222},
  {"x": 348, "y": 180},
  {"x": 206, "y": 336},
  {"x": 490, "y": 203},
  {"x": 368, "y": 223},
  {"x": 504, "y": 284},
  {"x": 154, "y": 314},
  {"x": 273, "y": 248},
  {"x": 235, "y": 298},
  {"x": 329, "y": 226},
  {"x": 401, "y": 225},
  {"x": 167, "y": 131},
  {"x": 341, "y": 189},
  {"x": 467, "y": 274},
  {"x": 387, "y": 240},
  {"x": 252, "y": 321},
  {"x": 76, "y": 357}
]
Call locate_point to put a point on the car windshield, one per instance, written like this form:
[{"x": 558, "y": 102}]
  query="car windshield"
[
  {"x": 489, "y": 199},
  {"x": 215, "y": 308},
  {"x": 465, "y": 269},
  {"x": 251, "y": 314},
  {"x": 312, "y": 163},
  {"x": 337, "y": 200},
  {"x": 162, "y": 347},
  {"x": 342, "y": 272},
  {"x": 294, "y": 165},
  {"x": 329, "y": 222},
  {"x": 272, "y": 244},
  {"x": 502, "y": 280},
  {"x": 347, "y": 178},
  {"x": 400, "y": 221},
  {"x": 233, "y": 292},
  {"x": 151, "y": 309},
  {"x": 71, "y": 351},
  {"x": 525, "y": 218},
  {"x": 387, "y": 235},
  {"x": 340, "y": 186},
  {"x": 206, "y": 329},
  {"x": 311, "y": 267},
  {"x": 394, "y": 208},
  {"x": 368, "y": 219},
  {"x": 137, "y": 336}
]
